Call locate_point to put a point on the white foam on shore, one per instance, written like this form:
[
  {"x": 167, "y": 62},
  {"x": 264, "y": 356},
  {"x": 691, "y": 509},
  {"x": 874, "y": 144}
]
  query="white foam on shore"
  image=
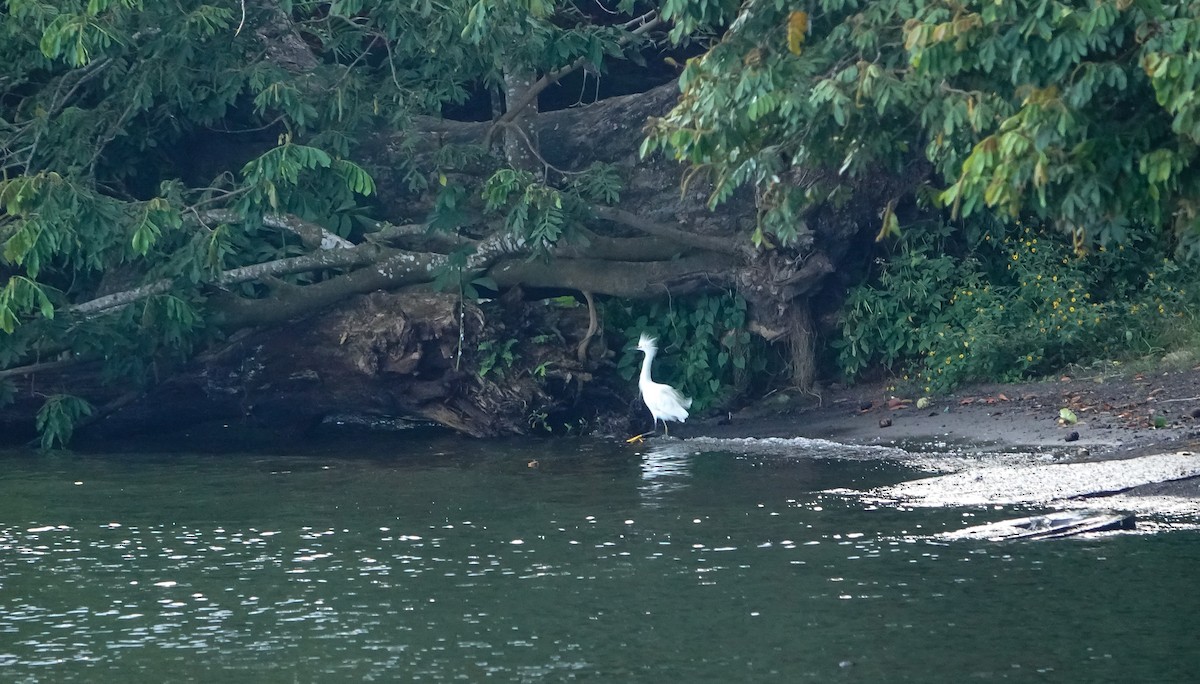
[
  {"x": 795, "y": 446},
  {"x": 943, "y": 457},
  {"x": 969, "y": 477},
  {"x": 1043, "y": 483}
]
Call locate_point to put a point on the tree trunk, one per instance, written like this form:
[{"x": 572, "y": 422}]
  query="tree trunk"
[
  {"x": 520, "y": 131},
  {"x": 802, "y": 342}
]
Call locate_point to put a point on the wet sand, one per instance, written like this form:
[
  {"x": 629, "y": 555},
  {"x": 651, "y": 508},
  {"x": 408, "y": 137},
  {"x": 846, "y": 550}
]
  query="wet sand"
[{"x": 1004, "y": 442}]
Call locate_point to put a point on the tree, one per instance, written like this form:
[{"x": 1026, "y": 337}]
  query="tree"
[
  {"x": 175, "y": 176},
  {"x": 1080, "y": 114},
  {"x": 203, "y": 197}
]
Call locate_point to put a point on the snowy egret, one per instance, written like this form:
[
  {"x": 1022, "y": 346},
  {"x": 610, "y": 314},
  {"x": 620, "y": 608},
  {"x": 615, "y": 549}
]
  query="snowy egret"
[{"x": 665, "y": 402}]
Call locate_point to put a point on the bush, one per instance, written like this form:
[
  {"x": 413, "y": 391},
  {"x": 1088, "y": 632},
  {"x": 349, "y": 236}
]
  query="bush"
[
  {"x": 1005, "y": 303},
  {"x": 705, "y": 350}
]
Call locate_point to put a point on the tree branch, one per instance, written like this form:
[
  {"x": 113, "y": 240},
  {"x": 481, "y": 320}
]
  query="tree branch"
[
  {"x": 311, "y": 234},
  {"x": 359, "y": 255},
  {"x": 37, "y": 367},
  {"x": 647, "y": 22},
  {"x": 712, "y": 244},
  {"x": 403, "y": 268},
  {"x": 630, "y": 279}
]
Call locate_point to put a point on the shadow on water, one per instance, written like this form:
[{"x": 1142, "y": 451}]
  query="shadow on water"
[{"x": 432, "y": 558}]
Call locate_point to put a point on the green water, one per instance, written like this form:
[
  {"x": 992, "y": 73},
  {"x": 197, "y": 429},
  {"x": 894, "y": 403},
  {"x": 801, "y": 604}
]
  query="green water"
[{"x": 453, "y": 560}]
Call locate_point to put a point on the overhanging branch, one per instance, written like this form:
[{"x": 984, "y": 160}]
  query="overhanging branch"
[
  {"x": 644, "y": 24},
  {"x": 712, "y": 244},
  {"x": 398, "y": 270},
  {"x": 630, "y": 279},
  {"x": 334, "y": 253},
  {"x": 359, "y": 255}
]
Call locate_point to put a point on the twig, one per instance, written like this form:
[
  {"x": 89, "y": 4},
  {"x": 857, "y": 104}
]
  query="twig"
[
  {"x": 534, "y": 151},
  {"x": 593, "y": 326},
  {"x": 242, "y": 22}
]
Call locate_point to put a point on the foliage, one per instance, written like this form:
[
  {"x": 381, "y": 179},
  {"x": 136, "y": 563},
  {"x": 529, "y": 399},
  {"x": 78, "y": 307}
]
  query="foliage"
[
  {"x": 496, "y": 356},
  {"x": 107, "y": 109},
  {"x": 705, "y": 350},
  {"x": 1082, "y": 115},
  {"x": 1078, "y": 116},
  {"x": 58, "y": 417},
  {"x": 1009, "y": 304}
]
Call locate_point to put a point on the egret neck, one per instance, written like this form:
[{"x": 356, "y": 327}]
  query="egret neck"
[{"x": 645, "y": 377}]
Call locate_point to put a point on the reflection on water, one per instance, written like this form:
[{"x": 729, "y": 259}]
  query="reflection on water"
[
  {"x": 443, "y": 560},
  {"x": 664, "y": 469}
]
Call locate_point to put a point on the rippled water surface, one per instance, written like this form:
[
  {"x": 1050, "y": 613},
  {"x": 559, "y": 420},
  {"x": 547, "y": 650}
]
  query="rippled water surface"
[{"x": 436, "y": 560}]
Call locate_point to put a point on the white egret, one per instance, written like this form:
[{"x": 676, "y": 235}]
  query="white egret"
[{"x": 665, "y": 402}]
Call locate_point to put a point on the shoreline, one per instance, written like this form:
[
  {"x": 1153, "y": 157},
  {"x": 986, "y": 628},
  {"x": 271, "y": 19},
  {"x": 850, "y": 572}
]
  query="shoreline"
[
  {"x": 1114, "y": 415},
  {"x": 1136, "y": 417}
]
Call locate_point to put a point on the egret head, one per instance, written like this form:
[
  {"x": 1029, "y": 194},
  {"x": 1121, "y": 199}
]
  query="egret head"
[{"x": 647, "y": 343}]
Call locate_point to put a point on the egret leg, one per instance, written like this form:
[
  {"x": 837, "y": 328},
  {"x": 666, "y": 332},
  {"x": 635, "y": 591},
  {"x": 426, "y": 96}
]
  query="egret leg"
[{"x": 638, "y": 438}]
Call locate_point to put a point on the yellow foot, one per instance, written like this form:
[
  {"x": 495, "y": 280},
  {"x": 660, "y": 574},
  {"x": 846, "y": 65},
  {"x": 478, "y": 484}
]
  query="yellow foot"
[{"x": 637, "y": 439}]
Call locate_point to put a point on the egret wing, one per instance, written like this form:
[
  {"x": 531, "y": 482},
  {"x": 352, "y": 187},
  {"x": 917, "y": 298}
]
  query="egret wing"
[{"x": 666, "y": 402}]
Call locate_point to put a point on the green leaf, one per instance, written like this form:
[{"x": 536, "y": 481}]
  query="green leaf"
[{"x": 58, "y": 418}]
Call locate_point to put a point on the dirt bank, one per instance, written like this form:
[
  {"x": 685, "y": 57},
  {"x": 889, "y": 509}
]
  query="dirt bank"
[
  {"x": 1115, "y": 413},
  {"x": 1118, "y": 415}
]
